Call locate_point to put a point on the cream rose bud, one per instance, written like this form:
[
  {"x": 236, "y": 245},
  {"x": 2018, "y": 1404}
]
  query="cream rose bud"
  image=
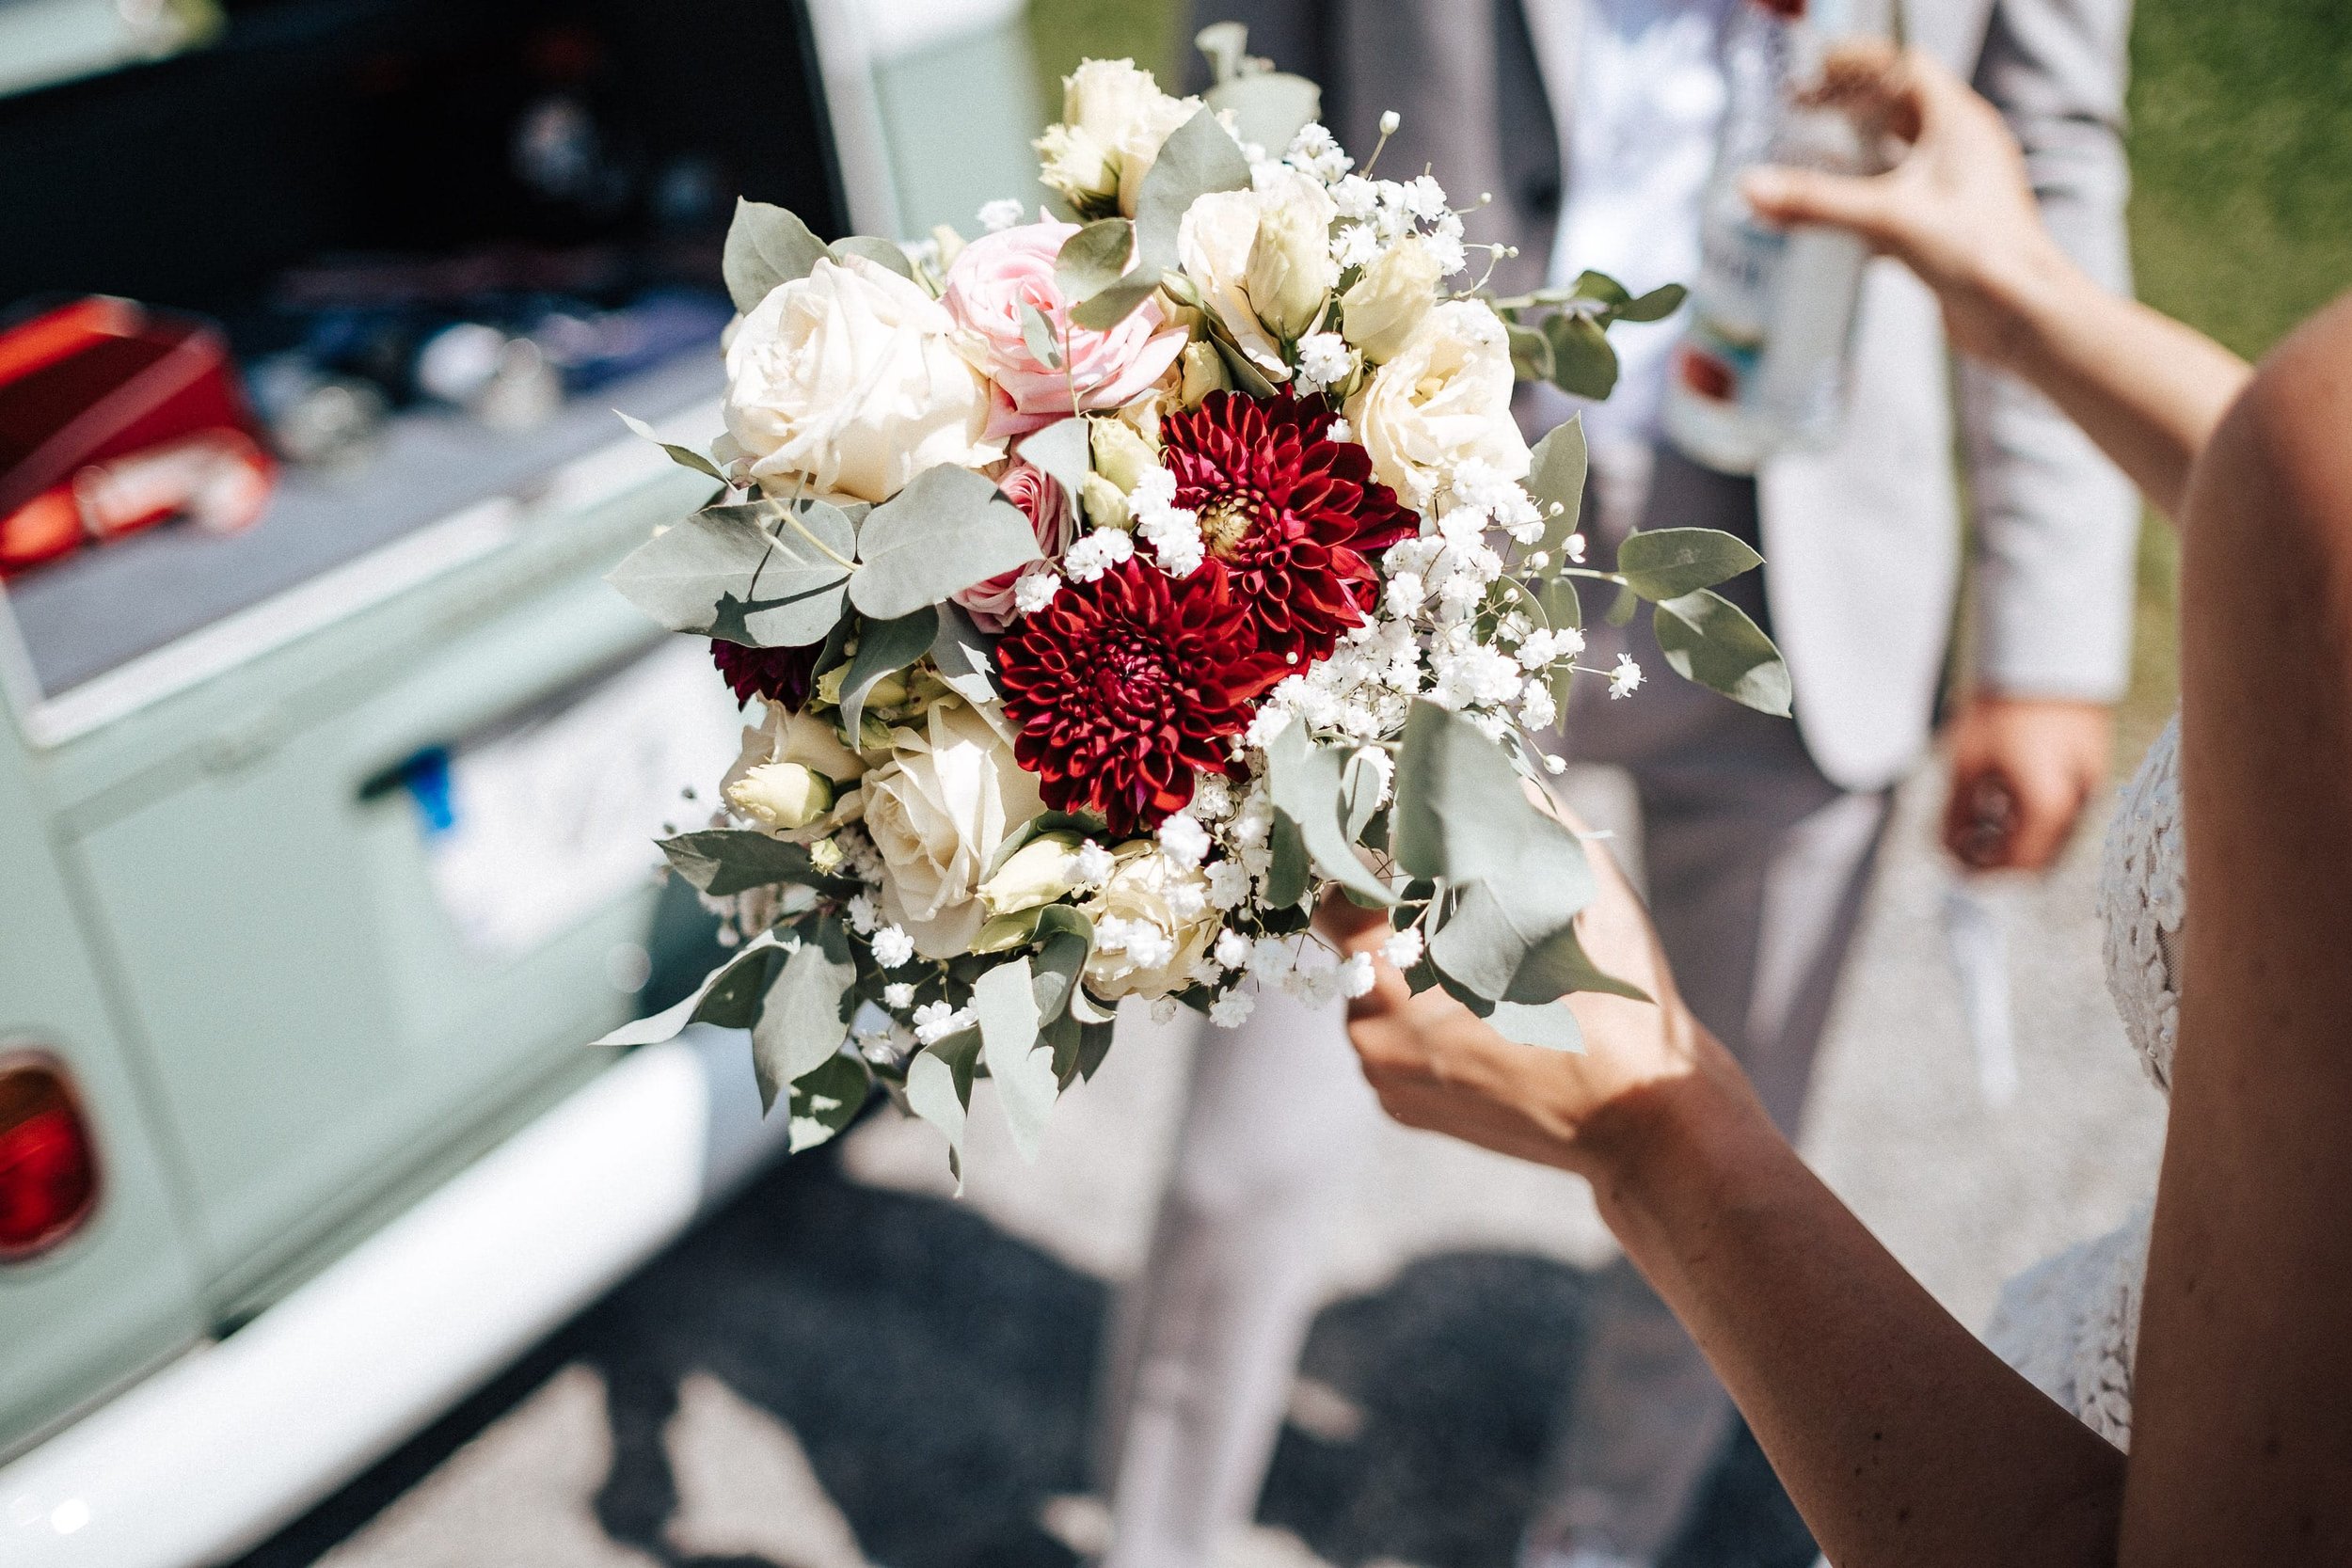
[
  {"x": 1291, "y": 271},
  {"x": 1143, "y": 946},
  {"x": 786, "y": 795},
  {"x": 1120, "y": 454},
  {"x": 1114, "y": 117},
  {"x": 1070, "y": 161},
  {"x": 1204, "y": 372},
  {"x": 1444, "y": 399},
  {"x": 938, "y": 810},
  {"x": 803, "y": 738},
  {"x": 1038, "y": 873},
  {"x": 848, "y": 381},
  {"x": 1218, "y": 241},
  {"x": 1105, "y": 503},
  {"x": 1394, "y": 294}
]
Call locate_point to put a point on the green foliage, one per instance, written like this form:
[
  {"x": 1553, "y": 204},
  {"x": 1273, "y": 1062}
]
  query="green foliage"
[
  {"x": 947, "y": 530},
  {"x": 828, "y": 1100},
  {"x": 726, "y": 861},
  {"x": 1198, "y": 157},
  {"x": 728, "y": 997},
  {"x": 766, "y": 246},
  {"x": 1550, "y": 1025},
  {"x": 763, "y": 573},
  {"x": 685, "y": 458},
  {"x": 1668, "y": 562},
  {"x": 1092, "y": 259},
  {"x": 884, "y": 649},
  {"x": 886, "y": 252},
  {"x": 802, "y": 1019},
  {"x": 1006, "y": 1000},
  {"x": 1709, "y": 640},
  {"x": 1555, "y": 478},
  {"x": 1304, "y": 780}
]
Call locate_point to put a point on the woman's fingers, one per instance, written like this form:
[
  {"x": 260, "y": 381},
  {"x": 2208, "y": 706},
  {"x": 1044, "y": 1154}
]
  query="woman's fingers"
[{"x": 1792, "y": 197}]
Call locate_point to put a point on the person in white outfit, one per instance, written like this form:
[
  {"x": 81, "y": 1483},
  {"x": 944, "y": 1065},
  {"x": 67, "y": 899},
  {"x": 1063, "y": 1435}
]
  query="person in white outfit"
[{"x": 1593, "y": 124}]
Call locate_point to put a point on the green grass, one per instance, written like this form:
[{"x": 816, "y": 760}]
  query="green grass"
[{"x": 2241, "y": 149}]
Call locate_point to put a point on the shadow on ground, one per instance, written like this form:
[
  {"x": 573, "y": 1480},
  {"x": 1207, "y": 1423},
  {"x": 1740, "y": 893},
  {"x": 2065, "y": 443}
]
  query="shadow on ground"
[{"x": 937, "y": 1371}]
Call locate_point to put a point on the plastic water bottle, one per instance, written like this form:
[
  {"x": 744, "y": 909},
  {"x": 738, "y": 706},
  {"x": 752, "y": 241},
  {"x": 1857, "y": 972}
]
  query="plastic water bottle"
[{"x": 1762, "y": 366}]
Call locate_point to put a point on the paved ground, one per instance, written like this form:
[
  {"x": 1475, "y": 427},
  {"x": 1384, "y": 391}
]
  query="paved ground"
[{"x": 848, "y": 1366}]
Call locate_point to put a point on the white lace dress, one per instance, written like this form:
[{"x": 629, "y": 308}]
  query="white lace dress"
[{"x": 2072, "y": 1325}]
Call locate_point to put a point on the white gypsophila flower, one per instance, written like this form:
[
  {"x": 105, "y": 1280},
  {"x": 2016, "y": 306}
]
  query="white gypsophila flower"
[
  {"x": 1174, "y": 532},
  {"x": 1355, "y": 198},
  {"x": 1538, "y": 560},
  {"x": 1514, "y": 627},
  {"x": 1271, "y": 958},
  {"x": 1356, "y": 976},
  {"x": 1034, "y": 590},
  {"x": 1324, "y": 360},
  {"x": 862, "y": 916},
  {"x": 1228, "y": 885},
  {"x": 1212, "y": 797},
  {"x": 1389, "y": 120},
  {"x": 1233, "y": 1009},
  {"x": 1318, "y": 152},
  {"x": 1555, "y": 765},
  {"x": 1151, "y": 924},
  {"x": 1573, "y": 547},
  {"x": 1474, "y": 678},
  {"x": 1535, "y": 649},
  {"x": 1538, "y": 711},
  {"x": 1382, "y": 768},
  {"x": 1165, "y": 1009},
  {"x": 1340, "y": 430},
  {"x": 1494, "y": 726},
  {"x": 1184, "y": 840},
  {"x": 1404, "y": 949},
  {"x": 892, "y": 946},
  {"x": 1266, "y": 726},
  {"x": 1001, "y": 213},
  {"x": 1625, "y": 679},
  {"x": 1154, "y": 485},
  {"x": 1205, "y": 971},
  {"x": 934, "y": 1021},
  {"x": 1426, "y": 199},
  {"x": 1232, "y": 949},
  {"x": 1187, "y": 898},
  {"x": 1446, "y": 248},
  {"x": 1097, "y": 553},
  {"x": 1092, "y": 864},
  {"x": 898, "y": 996},
  {"x": 1406, "y": 593},
  {"x": 1355, "y": 245}
]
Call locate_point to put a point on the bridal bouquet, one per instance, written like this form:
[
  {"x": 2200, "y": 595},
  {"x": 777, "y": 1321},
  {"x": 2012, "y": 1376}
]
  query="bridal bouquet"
[{"x": 1115, "y": 585}]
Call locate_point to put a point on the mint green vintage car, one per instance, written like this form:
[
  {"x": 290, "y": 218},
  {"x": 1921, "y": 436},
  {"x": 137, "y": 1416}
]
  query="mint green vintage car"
[{"x": 325, "y": 847}]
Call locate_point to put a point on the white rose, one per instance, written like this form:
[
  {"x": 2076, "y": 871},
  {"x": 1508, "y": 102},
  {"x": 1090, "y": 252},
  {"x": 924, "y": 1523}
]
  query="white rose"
[
  {"x": 1143, "y": 946},
  {"x": 937, "y": 812},
  {"x": 1444, "y": 399},
  {"x": 1114, "y": 117},
  {"x": 800, "y": 739},
  {"x": 1217, "y": 243},
  {"x": 848, "y": 378},
  {"x": 1391, "y": 299}
]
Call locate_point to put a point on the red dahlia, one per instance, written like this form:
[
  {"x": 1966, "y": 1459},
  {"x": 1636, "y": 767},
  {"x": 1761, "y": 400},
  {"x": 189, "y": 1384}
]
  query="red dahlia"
[
  {"x": 779, "y": 674},
  {"x": 1293, "y": 514},
  {"x": 1123, "y": 686}
]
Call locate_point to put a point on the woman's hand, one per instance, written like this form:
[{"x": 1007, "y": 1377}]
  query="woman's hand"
[
  {"x": 1435, "y": 1064},
  {"x": 1957, "y": 209}
]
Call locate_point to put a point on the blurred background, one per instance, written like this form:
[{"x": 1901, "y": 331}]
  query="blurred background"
[{"x": 322, "y": 1238}]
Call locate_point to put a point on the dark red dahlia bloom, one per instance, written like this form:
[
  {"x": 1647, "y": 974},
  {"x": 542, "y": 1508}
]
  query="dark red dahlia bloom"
[
  {"x": 1293, "y": 514},
  {"x": 1123, "y": 686},
  {"x": 779, "y": 674}
]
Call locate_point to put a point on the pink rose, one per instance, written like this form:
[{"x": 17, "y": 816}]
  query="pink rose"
[
  {"x": 1047, "y": 507},
  {"x": 989, "y": 284}
]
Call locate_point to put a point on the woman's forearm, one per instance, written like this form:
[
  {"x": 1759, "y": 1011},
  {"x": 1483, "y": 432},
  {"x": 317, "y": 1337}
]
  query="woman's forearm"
[
  {"x": 2148, "y": 390},
  {"x": 1901, "y": 1438}
]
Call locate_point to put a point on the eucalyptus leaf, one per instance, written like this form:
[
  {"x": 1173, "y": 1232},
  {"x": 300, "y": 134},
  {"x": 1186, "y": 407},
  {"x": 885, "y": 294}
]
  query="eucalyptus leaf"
[
  {"x": 1530, "y": 352},
  {"x": 766, "y": 246},
  {"x": 680, "y": 574},
  {"x": 1008, "y": 1009},
  {"x": 720, "y": 999},
  {"x": 1245, "y": 375},
  {"x": 1287, "y": 877},
  {"x": 884, "y": 648},
  {"x": 1562, "y": 606},
  {"x": 1582, "y": 363},
  {"x": 1361, "y": 785},
  {"x": 1496, "y": 925},
  {"x": 1061, "y": 451},
  {"x": 1601, "y": 290},
  {"x": 1036, "y": 335},
  {"x": 722, "y": 861},
  {"x": 1304, "y": 780},
  {"x": 1093, "y": 258},
  {"x": 880, "y": 251},
  {"x": 939, "y": 1089},
  {"x": 1110, "y": 306},
  {"x": 1668, "y": 562},
  {"x": 685, "y": 458},
  {"x": 1558, "y": 965},
  {"x": 1460, "y": 814},
  {"x": 1060, "y": 1037},
  {"x": 1198, "y": 157},
  {"x": 1094, "y": 1043},
  {"x": 1655, "y": 306},
  {"x": 1055, "y": 969},
  {"x": 801, "y": 1022},
  {"x": 1268, "y": 107},
  {"x": 1004, "y": 932},
  {"x": 1553, "y": 1028},
  {"x": 1621, "y": 609},
  {"x": 1708, "y": 639},
  {"x": 1555, "y": 477},
  {"x": 752, "y": 573},
  {"x": 947, "y": 530},
  {"x": 828, "y": 1100},
  {"x": 961, "y": 653}
]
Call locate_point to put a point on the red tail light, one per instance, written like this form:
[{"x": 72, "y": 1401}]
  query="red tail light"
[{"x": 48, "y": 1167}]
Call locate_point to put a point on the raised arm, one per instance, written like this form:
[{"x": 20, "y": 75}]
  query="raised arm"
[{"x": 1959, "y": 209}]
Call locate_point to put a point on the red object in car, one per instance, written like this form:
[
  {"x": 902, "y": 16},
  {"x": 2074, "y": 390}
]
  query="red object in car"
[
  {"x": 102, "y": 398},
  {"x": 48, "y": 1166}
]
